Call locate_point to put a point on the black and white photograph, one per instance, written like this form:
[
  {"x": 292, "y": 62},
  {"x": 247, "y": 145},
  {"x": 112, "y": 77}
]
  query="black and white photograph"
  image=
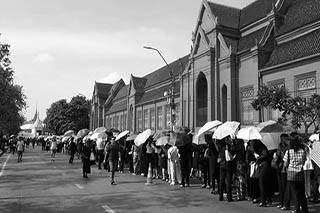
[{"x": 171, "y": 106}]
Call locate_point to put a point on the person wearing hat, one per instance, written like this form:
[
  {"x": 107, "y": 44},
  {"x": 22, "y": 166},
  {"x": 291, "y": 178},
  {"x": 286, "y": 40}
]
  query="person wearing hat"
[{"x": 112, "y": 154}]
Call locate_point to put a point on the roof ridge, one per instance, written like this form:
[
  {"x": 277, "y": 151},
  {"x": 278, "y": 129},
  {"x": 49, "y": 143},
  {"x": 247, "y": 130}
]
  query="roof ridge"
[{"x": 223, "y": 5}]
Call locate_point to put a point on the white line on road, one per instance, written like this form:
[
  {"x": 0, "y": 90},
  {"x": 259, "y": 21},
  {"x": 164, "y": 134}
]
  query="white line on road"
[
  {"x": 4, "y": 166},
  {"x": 108, "y": 209},
  {"x": 80, "y": 187}
]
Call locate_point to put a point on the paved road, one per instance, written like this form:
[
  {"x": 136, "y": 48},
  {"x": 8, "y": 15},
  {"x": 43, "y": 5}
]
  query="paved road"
[{"x": 37, "y": 185}]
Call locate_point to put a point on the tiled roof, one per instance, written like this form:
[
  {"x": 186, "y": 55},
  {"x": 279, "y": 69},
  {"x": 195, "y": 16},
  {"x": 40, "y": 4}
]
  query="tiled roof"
[
  {"x": 250, "y": 40},
  {"x": 255, "y": 11},
  {"x": 102, "y": 89},
  {"x": 158, "y": 93},
  {"x": 299, "y": 13},
  {"x": 118, "y": 106},
  {"x": 162, "y": 74},
  {"x": 301, "y": 47},
  {"x": 138, "y": 83},
  {"x": 227, "y": 16},
  {"x": 122, "y": 92}
]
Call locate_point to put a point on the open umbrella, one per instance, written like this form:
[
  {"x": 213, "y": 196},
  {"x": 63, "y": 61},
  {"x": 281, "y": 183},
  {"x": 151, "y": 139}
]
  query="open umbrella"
[
  {"x": 65, "y": 139},
  {"x": 198, "y": 139},
  {"x": 209, "y": 126},
  {"x": 82, "y": 133},
  {"x": 131, "y": 137},
  {"x": 69, "y": 133},
  {"x": 160, "y": 133},
  {"x": 101, "y": 135},
  {"x": 180, "y": 139},
  {"x": 314, "y": 137},
  {"x": 249, "y": 133},
  {"x": 162, "y": 141},
  {"x": 122, "y": 134},
  {"x": 228, "y": 128},
  {"x": 100, "y": 129},
  {"x": 271, "y": 140},
  {"x": 142, "y": 137},
  {"x": 261, "y": 125}
]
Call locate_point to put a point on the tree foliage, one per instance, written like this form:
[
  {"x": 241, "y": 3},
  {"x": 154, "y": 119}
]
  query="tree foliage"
[
  {"x": 63, "y": 116},
  {"x": 12, "y": 99},
  {"x": 300, "y": 111}
]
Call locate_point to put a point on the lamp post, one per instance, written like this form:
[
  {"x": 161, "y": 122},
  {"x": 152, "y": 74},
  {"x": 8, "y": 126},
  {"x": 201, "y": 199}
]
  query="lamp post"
[{"x": 170, "y": 93}]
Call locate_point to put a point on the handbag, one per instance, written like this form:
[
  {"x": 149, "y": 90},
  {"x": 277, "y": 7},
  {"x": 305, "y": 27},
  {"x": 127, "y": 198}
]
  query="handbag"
[
  {"x": 254, "y": 170},
  {"x": 308, "y": 164},
  {"x": 92, "y": 158}
]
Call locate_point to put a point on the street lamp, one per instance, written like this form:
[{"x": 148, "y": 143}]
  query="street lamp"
[{"x": 170, "y": 93}]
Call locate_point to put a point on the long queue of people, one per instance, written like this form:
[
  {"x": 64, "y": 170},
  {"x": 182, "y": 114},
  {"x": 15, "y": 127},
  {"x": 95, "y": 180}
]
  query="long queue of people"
[{"x": 231, "y": 168}]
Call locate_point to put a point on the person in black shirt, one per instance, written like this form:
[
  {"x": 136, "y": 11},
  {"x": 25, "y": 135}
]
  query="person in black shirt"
[{"x": 112, "y": 154}]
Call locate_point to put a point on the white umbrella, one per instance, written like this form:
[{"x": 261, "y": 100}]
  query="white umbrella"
[
  {"x": 65, "y": 139},
  {"x": 142, "y": 137},
  {"x": 228, "y": 128},
  {"x": 261, "y": 125},
  {"x": 198, "y": 139},
  {"x": 69, "y": 133},
  {"x": 162, "y": 140},
  {"x": 271, "y": 140},
  {"x": 100, "y": 130},
  {"x": 101, "y": 135},
  {"x": 314, "y": 137},
  {"x": 249, "y": 133},
  {"x": 209, "y": 126},
  {"x": 122, "y": 134}
]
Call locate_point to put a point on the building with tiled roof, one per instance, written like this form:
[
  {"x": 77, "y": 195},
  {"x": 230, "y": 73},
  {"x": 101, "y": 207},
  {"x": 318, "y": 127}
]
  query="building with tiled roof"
[
  {"x": 99, "y": 97},
  {"x": 237, "y": 50},
  {"x": 141, "y": 104},
  {"x": 234, "y": 51}
]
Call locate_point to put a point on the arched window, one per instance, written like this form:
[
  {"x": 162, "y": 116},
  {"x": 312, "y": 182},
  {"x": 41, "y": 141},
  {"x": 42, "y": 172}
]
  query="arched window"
[{"x": 202, "y": 100}]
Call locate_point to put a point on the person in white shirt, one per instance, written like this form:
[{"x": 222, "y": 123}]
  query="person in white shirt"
[
  {"x": 173, "y": 156},
  {"x": 20, "y": 148},
  {"x": 53, "y": 148}
]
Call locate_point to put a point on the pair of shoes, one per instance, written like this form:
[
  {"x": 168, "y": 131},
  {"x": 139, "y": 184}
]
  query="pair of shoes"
[
  {"x": 285, "y": 208},
  {"x": 113, "y": 183},
  {"x": 188, "y": 185},
  {"x": 230, "y": 200},
  {"x": 255, "y": 201},
  {"x": 240, "y": 198},
  {"x": 220, "y": 198},
  {"x": 279, "y": 206},
  {"x": 208, "y": 187},
  {"x": 182, "y": 185},
  {"x": 172, "y": 183},
  {"x": 262, "y": 205},
  {"x": 203, "y": 186}
]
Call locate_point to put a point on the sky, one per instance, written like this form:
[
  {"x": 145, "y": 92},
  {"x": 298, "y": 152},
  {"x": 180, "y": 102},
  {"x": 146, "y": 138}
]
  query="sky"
[{"x": 59, "y": 48}]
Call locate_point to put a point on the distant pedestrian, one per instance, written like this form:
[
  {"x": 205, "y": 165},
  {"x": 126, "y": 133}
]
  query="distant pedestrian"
[
  {"x": 112, "y": 155},
  {"x": 53, "y": 148},
  {"x": 72, "y": 149},
  {"x": 85, "y": 157},
  {"x": 100, "y": 148},
  {"x": 20, "y": 148}
]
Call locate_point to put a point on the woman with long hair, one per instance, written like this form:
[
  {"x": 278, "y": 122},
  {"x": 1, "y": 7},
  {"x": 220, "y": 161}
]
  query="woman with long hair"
[{"x": 294, "y": 160}]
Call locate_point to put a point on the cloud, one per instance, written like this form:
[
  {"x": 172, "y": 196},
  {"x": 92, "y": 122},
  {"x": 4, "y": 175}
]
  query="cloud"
[
  {"x": 111, "y": 78},
  {"x": 43, "y": 58}
]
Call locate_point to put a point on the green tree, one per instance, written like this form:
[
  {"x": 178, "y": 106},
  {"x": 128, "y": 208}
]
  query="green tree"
[
  {"x": 300, "y": 111},
  {"x": 63, "y": 116},
  {"x": 12, "y": 99}
]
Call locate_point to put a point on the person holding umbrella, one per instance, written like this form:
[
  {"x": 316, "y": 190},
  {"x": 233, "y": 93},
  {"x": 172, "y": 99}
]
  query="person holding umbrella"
[{"x": 112, "y": 154}]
